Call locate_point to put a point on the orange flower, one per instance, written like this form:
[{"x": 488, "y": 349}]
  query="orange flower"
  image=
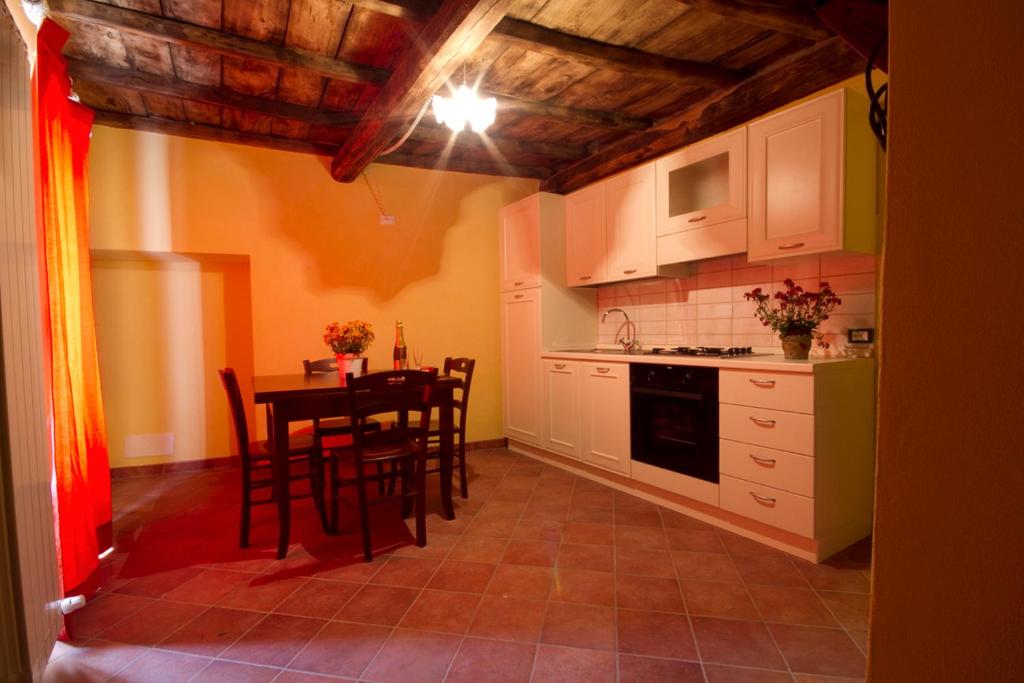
[{"x": 352, "y": 337}]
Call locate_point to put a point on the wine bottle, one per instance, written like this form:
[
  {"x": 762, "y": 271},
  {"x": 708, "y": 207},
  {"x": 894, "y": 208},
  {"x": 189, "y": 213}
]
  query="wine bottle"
[{"x": 401, "y": 354}]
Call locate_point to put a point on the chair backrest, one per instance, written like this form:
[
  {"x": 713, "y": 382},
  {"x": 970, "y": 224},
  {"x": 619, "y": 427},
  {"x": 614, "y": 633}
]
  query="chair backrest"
[
  {"x": 463, "y": 368},
  {"x": 230, "y": 383},
  {"x": 321, "y": 365},
  {"x": 311, "y": 367},
  {"x": 394, "y": 391}
]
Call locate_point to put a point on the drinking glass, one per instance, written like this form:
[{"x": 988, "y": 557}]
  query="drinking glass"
[{"x": 417, "y": 358}]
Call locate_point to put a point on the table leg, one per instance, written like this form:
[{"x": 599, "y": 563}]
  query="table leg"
[
  {"x": 282, "y": 494},
  {"x": 446, "y": 418}
]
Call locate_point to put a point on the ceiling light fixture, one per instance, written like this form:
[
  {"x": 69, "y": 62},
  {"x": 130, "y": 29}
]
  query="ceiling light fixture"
[{"x": 465, "y": 106}]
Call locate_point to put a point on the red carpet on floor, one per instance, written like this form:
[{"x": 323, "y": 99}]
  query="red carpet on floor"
[{"x": 197, "y": 528}]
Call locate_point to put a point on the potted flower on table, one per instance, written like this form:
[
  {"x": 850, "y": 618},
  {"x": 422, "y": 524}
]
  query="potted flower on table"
[
  {"x": 348, "y": 342},
  {"x": 797, "y": 315}
]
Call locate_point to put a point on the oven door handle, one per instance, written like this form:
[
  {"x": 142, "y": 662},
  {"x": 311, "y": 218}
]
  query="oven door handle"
[{"x": 690, "y": 396}]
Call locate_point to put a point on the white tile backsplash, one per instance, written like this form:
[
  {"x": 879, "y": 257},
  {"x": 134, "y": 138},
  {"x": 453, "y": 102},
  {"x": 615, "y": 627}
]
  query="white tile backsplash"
[{"x": 709, "y": 309}]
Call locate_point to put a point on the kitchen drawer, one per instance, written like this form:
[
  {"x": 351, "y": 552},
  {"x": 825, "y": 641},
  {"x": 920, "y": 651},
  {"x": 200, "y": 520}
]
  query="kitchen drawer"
[
  {"x": 778, "y": 469},
  {"x": 776, "y": 390},
  {"x": 780, "y": 509},
  {"x": 779, "y": 429}
]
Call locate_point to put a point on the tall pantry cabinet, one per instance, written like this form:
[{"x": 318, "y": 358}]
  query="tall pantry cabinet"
[{"x": 538, "y": 311}]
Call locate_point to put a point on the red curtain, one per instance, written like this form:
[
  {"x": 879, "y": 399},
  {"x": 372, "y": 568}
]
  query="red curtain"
[{"x": 78, "y": 434}]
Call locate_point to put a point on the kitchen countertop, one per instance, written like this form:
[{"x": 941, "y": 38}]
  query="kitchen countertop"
[{"x": 771, "y": 362}]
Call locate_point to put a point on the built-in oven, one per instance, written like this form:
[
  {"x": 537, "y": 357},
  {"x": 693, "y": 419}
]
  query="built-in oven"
[{"x": 674, "y": 417}]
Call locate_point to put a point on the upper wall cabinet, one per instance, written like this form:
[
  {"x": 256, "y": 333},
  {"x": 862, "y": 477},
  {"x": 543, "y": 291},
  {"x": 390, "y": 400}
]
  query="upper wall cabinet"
[
  {"x": 629, "y": 224},
  {"x": 812, "y": 179},
  {"x": 701, "y": 199},
  {"x": 520, "y": 226},
  {"x": 585, "y": 242},
  {"x": 609, "y": 229}
]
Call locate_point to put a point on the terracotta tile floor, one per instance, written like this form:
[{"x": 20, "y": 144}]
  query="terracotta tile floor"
[{"x": 543, "y": 576}]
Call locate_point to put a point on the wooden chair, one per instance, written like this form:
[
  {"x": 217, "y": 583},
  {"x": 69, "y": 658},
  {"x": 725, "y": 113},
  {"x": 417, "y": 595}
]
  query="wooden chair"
[
  {"x": 334, "y": 426},
  {"x": 257, "y": 458},
  {"x": 459, "y": 367},
  {"x": 404, "y": 447}
]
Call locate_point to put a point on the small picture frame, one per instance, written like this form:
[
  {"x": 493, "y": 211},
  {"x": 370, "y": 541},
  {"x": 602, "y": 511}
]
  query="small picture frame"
[{"x": 861, "y": 335}]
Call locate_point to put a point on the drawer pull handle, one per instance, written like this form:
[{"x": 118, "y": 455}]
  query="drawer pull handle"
[
  {"x": 791, "y": 245},
  {"x": 763, "y": 383},
  {"x": 586, "y": 277},
  {"x": 560, "y": 366},
  {"x": 762, "y": 422},
  {"x": 518, "y": 283},
  {"x": 764, "y": 462},
  {"x": 696, "y": 220},
  {"x": 629, "y": 272},
  {"x": 518, "y": 296},
  {"x": 603, "y": 370},
  {"x": 767, "y": 501}
]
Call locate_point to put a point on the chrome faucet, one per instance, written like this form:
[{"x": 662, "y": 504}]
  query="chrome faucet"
[{"x": 629, "y": 341}]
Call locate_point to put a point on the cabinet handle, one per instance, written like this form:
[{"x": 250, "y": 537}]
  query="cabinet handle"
[
  {"x": 762, "y": 422},
  {"x": 518, "y": 296},
  {"x": 603, "y": 370},
  {"x": 698, "y": 219},
  {"x": 791, "y": 245},
  {"x": 517, "y": 283},
  {"x": 763, "y": 500},
  {"x": 585, "y": 277},
  {"x": 764, "y": 462},
  {"x": 630, "y": 271},
  {"x": 560, "y": 366},
  {"x": 765, "y": 383}
]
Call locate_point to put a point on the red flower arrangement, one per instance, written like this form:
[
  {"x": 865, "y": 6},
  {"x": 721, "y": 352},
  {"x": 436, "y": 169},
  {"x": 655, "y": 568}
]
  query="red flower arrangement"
[{"x": 797, "y": 312}]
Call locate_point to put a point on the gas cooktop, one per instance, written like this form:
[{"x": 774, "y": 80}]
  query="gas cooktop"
[{"x": 707, "y": 351}]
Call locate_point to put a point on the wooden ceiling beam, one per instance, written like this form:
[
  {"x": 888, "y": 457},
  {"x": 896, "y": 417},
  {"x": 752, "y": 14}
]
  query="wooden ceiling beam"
[
  {"x": 196, "y": 92},
  {"x": 797, "y": 76},
  {"x": 213, "y": 133},
  {"x": 507, "y": 146},
  {"x": 452, "y": 35},
  {"x": 181, "y": 33},
  {"x": 589, "y": 117},
  {"x": 465, "y": 165},
  {"x": 783, "y": 19},
  {"x": 524, "y": 35}
]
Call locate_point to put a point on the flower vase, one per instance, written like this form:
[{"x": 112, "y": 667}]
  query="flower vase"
[
  {"x": 796, "y": 346},
  {"x": 349, "y": 362}
]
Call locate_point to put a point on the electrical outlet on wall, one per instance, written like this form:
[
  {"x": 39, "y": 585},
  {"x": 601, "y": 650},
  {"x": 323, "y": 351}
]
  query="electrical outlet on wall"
[{"x": 387, "y": 220}]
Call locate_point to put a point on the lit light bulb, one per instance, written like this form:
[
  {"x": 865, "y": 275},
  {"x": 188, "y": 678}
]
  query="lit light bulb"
[{"x": 465, "y": 106}]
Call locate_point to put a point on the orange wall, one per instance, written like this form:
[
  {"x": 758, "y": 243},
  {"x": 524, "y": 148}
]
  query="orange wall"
[
  {"x": 315, "y": 253},
  {"x": 948, "y": 578}
]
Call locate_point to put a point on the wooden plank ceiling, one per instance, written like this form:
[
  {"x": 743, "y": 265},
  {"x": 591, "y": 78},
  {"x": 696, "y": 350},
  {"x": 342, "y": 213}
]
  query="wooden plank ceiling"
[{"x": 584, "y": 88}]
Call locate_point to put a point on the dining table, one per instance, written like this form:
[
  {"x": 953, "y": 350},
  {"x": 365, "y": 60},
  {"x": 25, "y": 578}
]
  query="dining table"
[{"x": 301, "y": 397}]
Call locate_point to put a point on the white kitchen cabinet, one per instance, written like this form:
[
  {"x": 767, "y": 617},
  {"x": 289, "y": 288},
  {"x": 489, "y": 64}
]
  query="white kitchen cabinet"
[
  {"x": 521, "y": 364},
  {"x": 585, "y": 243},
  {"x": 701, "y": 199},
  {"x": 538, "y": 312},
  {"x": 609, "y": 230},
  {"x": 797, "y": 450},
  {"x": 812, "y": 173},
  {"x": 629, "y": 224},
  {"x": 520, "y": 244},
  {"x": 605, "y": 411},
  {"x": 562, "y": 414}
]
